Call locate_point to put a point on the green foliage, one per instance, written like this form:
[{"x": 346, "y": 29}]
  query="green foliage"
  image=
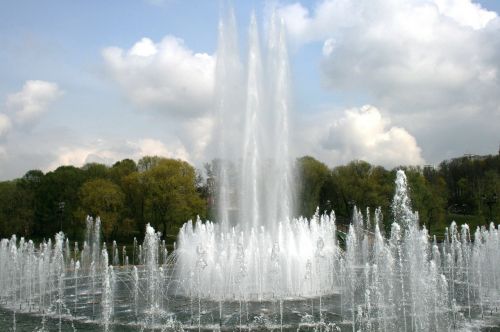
[
  {"x": 57, "y": 200},
  {"x": 472, "y": 181},
  {"x": 95, "y": 170},
  {"x": 167, "y": 192},
  {"x": 428, "y": 195},
  {"x": 164, "y": 192},
  {"x": 458, "y": 187},
  {"x": 121, "y": 169},
  {"x": 16, "y": 214},
  {"x": 171, "y": 197},
  {"x": 102, "y": 198},
  {"x": 148, "y": 162},
  {"x": 312, "y": 175},
  {"x": 358, "y": 184}
]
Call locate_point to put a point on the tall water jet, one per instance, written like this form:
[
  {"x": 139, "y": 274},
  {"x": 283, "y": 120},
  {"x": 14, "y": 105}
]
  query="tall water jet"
[
  {"x": 281, "y": 190},
  {"x": 250, "y": 207},
  {"x": 228, "y": 83},
  {"x": 401, "y": 205},
  {"x": 152, "y": 276},
  {"x": 106, "y": 303},
  {"x": 254, "y": 168},
  {"x": 255, "y": 231}
]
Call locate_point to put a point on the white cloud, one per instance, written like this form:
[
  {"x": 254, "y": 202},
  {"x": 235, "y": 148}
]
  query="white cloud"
[
  {"x": 23, "y": 108},
  {"x": 196, "y": 136},
  {"x": 328, "y": 16},
  {"x": 328, "y": 46},
  {"x": 360, "y": 133},
  {"x": 108, "y": 152},
  {"x": 417, "y": 60},
  {"x": 465, "y": 12},
  {"x": 153, "y": 147},
  {"x": 32, "y": 101},
  {"x": 5, "y": 125},
  {"x": 413, "y": 58},
  {"x": 415, "y": 17},
  {"x": 165, "y": 76},
  {"x": 173, "y": 80},
  {"x": 406, "y": 52}
]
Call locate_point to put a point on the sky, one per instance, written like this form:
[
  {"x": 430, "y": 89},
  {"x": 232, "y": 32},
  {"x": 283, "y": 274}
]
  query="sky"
[{"x": 392, "y": 82}]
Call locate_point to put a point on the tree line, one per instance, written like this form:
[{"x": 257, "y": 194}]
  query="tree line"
[
  {"x": 462, "y": 189},
  {"x": 167, "y": 192},
  {"x": 126, "y": 196}
]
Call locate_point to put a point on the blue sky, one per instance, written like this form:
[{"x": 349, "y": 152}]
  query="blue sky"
[{"x": 425, "y": 91}]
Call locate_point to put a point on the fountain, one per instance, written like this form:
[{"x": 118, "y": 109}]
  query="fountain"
[
  {"x": 258, "y": 268},
  {"x": 256, "y": 251},
  {"x": 405, "y": 282}
]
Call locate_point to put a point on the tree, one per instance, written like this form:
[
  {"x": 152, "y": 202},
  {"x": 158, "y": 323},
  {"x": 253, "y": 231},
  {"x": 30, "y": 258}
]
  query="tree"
[
  {"x": 489, "y": 195},
  {"x": 171, "y": 194},
  {"x": 95, "y": 170},
  {"x": 135, "y": 197},
  {"x": 360, "y": 184},
  {"x": 57, "y": 201},
  {"x": 102, "y": 198},
  {"x": 27, "y": 206},
  {"x": 168, "y": 192},
  {"x": 148, "y": 162},
  {"x": 121, "y": 169},
  {"x": 312, "y": 175},
  {"x": 14, "y": 219},
  {"x": 31, "y": 180}
]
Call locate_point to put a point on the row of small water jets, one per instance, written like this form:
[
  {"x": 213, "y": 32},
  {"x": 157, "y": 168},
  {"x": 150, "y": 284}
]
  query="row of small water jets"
[{"x": 214, "y": 280}]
